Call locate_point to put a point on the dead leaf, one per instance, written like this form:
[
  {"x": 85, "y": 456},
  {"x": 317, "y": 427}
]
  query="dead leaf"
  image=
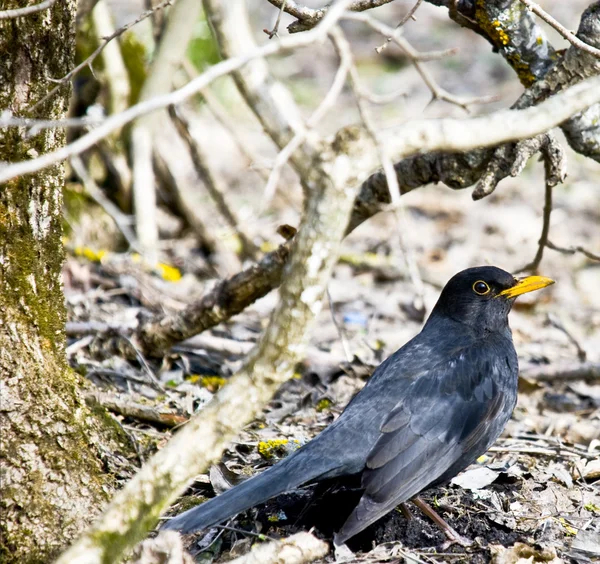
[
  {"x": 475, "y": 479},
  {"x": 587, "y": 542},
  {"x": 591, "y": 471},
  {"x": 561, "y": 474},
  {"x": 521, "y": 553}
]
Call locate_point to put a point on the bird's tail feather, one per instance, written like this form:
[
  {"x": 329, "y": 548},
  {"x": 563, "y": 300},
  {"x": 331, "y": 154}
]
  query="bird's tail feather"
[{"x": 284, "y": 476}]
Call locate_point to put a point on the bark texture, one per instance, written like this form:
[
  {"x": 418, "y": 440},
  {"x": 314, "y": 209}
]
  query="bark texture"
[{"x": 51, "y": 481}]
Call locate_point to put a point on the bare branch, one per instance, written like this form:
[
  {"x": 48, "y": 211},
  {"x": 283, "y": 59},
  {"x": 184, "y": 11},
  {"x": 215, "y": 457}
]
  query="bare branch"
[
  {"x": 343, "y": 48},
  {"x": 274, "y": 32},
  {"x": 416, "y": 58},
  {"x": 511, "y": 35},
  {"x": 568, "y": 35},
  {"x": 138, "y": 505},
  {"x": 124, "y": 405},
  {"x": 420, "y": 136},
  {"x": 21, "y": 12},
  {"x": 90, "y": 60},
  {"x": 326, "y": 104},
  {"x": 227, "y": 298},
  {"x": 34, "y": 126},
  {"x": 410, "y": 14},
  {"x": 117, "y": 121},
  {"x": 554, "y": 165},
  {"x": 220, "y": 114},
  {"x": 573, "y": 250},
  {"x": 537, "y": 64},
  {"x": 510, "y": 160},
  {"x": 495, "y": 128},
  {"x": 552, "y": 373},
  {"x": 122, "y": 221},
  {"x": 533, "y": 265},
  {"x": 270, "y": 101},
  {"x": 309, "y": 17}
]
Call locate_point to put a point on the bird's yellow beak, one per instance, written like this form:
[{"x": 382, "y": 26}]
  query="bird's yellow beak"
[{"x": 528, "y": 284}]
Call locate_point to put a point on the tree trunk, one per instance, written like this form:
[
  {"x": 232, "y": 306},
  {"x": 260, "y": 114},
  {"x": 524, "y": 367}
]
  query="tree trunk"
[{"x": 52, "y": 477}]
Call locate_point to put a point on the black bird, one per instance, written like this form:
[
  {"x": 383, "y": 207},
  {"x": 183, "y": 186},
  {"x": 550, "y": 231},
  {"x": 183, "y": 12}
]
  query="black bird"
[{"x": 428, "y": 411}]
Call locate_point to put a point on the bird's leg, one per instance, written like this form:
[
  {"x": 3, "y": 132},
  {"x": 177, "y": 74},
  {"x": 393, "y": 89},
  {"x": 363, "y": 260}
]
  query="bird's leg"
[
  {"x": 451, "y": 534},
  {"x": 406, "y": 511}
]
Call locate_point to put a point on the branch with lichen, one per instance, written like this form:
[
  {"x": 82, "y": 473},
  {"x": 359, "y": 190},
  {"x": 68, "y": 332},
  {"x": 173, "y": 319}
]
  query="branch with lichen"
[{"x": 513, "y": 31}]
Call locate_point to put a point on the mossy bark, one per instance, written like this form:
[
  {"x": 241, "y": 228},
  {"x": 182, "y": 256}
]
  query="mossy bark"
[{"x": 52, "y": 477}]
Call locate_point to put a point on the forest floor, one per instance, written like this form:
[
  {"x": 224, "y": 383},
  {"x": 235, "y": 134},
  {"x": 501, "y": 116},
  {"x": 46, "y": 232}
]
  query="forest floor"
[{"x": 536, "y": 494}]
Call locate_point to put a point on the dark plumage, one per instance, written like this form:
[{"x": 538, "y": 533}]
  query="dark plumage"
[{"x": 429, "y": 410}]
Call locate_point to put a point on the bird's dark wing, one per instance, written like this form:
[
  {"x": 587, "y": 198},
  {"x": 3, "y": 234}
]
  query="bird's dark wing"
[{"x": 446, "y": 419}]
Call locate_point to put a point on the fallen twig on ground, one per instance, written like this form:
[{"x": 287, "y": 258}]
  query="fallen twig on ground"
[
  {"x": 553, "y": 372},
  {"x": 123, "y": 405}
]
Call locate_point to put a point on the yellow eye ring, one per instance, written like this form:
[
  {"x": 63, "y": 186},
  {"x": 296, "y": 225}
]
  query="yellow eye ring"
[{"x": 481, "y": 288}]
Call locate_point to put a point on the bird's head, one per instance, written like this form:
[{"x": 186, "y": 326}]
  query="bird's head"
[{"x": 483, "y": 296}]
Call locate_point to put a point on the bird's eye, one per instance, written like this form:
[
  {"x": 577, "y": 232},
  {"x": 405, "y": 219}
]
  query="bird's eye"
[{"x": 481, "y": 288}]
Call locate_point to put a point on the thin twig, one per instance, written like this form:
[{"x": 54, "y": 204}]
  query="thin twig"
[
  {"x": 20, "y": 12},
  {"x": 383, "y": 98},
  {"x": 530, "y": 450},
  {"x": 533, "y": 265},
  {"x": 89, "y": 61},
  {"x": 143, "y": 362},
  {"x": 220, "y": 114},
  {"x": 214, "y": 184},
  {"x": 573, "y": 250},
  {"x": 407, "y": 17},
  {"x": 568, "y": 35},
  {"x": 416, "y": 58},
  {"x": 552, "y": 442},
  {"x": 562, "y": 372},
  {"x": 112, "y": 374},
  {"x": 343, "y": 48},
  {"x": 556, "y": 322},
  {"x": 326, "y": 104},
  {"x": 274, "y": 32},
  {"x": 216, "y": 109},
  {"x": 122, "y": 221}
]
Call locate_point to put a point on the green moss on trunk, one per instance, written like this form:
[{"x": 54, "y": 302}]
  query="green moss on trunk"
[{"x": 53, "y": 447}]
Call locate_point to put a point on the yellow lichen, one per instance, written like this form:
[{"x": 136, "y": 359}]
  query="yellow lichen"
[
  {"x": 211, "y": 383},
  {"x": 569, "y": 529},
  {"x": 522, "y": 69},
  {"x": 501, "y": 35},
  {"x": 89, "y": 254},
  {"x": 277, "y": 448},
  {"x": 168, "y": 273},
  {"x": 323, "y": 404}
]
